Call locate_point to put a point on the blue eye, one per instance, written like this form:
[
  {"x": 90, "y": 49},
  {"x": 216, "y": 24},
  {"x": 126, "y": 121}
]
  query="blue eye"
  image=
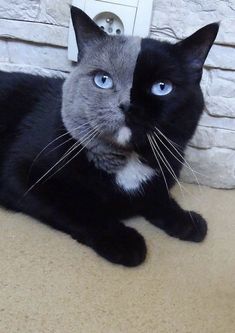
[
  {"x": 162, "y": 88},
  {"x": 103, "y": 81}
]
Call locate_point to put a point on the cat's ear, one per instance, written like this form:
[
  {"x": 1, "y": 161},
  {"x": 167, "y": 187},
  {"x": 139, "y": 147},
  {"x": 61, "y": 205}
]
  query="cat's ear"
[
  {"x": 85, "y": 28},
  {"x": 196, "y": 47}
]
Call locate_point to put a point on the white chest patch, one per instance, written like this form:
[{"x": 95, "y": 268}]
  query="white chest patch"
[{"x": 134, "y": 174}]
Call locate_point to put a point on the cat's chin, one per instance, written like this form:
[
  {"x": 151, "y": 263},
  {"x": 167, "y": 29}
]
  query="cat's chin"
[
  {"x": 128, "y": 147},
  {"x": 110, "y": 140},
  {"x": 121, "y": 139},
  {"x": 123, "y": 136}
]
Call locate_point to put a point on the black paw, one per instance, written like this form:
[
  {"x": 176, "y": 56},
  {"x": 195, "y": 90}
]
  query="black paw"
[
  {"x": 124, "y": 246},
  {"x": 192, "y": 227}
]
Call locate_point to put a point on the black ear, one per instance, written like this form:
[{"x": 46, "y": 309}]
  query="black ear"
[
  {"x": 196, "y": 47},
  {"x": 85, "y": 29}
]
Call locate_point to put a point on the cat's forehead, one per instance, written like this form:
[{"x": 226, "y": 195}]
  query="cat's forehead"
[{"x": 114, "y": 54}]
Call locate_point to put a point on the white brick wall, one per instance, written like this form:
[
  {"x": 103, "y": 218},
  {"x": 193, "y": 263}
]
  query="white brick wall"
[{"x": 33, "y": 38}]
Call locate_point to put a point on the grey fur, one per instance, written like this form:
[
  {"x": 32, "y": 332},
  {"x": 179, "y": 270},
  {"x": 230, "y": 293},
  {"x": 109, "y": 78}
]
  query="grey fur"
[
  {"x": 107, "y": 157},
  {"x": 90, "y": 107}
]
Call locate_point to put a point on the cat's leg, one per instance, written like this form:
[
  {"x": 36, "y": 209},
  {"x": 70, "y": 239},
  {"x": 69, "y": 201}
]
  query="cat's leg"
[
  {"x": 107, "y": 236},
  {"x": 111, "y": 239},
  {"x": 176, "y": 222},
  {"x": 91, "y": 226}
]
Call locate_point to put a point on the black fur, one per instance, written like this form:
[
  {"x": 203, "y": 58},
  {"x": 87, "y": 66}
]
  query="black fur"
[{"x": 82, "y": 200}]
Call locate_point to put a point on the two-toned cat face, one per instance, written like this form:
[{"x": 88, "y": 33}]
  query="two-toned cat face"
[{"x": 125, "y": 86}]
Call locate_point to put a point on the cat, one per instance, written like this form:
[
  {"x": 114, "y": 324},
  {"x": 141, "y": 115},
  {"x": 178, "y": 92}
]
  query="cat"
[{"x": 105, "y": 144}]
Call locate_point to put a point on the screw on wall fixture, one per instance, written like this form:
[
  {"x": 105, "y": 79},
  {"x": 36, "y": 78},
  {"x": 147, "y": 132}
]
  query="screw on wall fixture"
[
  {"x": 116, "y": 17},
  {"x": 109, "y": 20}
]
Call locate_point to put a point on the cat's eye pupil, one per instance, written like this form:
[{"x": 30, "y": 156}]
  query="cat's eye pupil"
[
  {"x": 162, "y": 86},
  {"x": 104, "y": 78}
]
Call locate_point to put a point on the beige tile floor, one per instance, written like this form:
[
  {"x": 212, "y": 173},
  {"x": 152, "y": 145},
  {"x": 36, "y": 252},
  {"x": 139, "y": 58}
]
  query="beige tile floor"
[{"x": 51, "y": 284}]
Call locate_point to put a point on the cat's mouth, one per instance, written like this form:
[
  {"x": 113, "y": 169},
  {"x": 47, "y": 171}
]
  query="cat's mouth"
[{"x": 121, "y": 139}]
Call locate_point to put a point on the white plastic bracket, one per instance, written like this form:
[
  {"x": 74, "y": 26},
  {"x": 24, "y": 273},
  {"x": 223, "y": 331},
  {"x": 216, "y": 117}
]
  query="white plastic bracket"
[{"x": 129, "y": 17}]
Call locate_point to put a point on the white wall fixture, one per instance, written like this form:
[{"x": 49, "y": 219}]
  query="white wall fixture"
[{"x": 116, "y": 17}]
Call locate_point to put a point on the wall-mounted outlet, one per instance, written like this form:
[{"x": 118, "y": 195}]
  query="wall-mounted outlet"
[
  {"x": 116, "y": 17},
  {"x": 110, "y": 23}
]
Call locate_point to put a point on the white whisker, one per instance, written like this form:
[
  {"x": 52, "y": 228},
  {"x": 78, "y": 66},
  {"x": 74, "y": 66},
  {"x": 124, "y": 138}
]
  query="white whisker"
[
  {"x": 60, "y": 145},
  {"x": 152, "y": 147},
  {"x": 184, "y": 164},
  {"x": 85, "y": 145},
  {"x": 167, "y": 165},
  {"x": 87, "y": 136},
  {"x": 50, "y": 143},
  {"x": 172, "y": 145},
  {"x": 76, "y": 144}
]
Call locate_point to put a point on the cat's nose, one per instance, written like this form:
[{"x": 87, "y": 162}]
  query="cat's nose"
[{"x": 124, "y": 106}]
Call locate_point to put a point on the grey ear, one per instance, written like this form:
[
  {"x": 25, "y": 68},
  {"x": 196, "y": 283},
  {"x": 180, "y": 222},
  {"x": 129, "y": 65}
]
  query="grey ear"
[
  {"x": 196, "y": 47},
  {"x": 85, "y": 29}
]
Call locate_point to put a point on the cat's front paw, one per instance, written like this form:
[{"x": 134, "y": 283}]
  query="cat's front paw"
[
  {"x": 124, "y": 246},
  {"x": 192, "y": 227},
  {"x": 199, "y": 227}
]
